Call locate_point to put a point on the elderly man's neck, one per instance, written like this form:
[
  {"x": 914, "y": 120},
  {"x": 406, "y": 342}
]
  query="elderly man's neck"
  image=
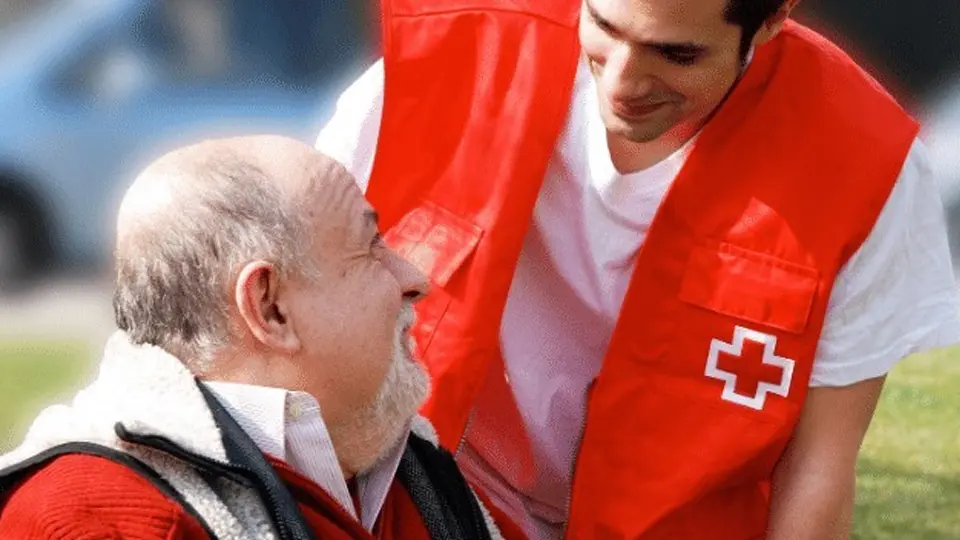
[{"x": 251, "y": 370}]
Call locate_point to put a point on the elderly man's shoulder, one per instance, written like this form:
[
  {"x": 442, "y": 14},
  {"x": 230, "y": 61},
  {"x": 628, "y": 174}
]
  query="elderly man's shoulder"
[{"x": 85, "y": 496}]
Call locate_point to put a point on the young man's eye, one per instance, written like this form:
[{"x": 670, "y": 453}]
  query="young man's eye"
[{"x": 681, "y": 58}]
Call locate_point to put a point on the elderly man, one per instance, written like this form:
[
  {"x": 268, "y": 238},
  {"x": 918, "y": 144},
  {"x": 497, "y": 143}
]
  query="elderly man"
[{"x": 261, "y": 385}]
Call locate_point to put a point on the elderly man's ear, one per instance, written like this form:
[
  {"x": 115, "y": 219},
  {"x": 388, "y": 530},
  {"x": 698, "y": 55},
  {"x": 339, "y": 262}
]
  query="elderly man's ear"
[{"x": 266, "y": 316}]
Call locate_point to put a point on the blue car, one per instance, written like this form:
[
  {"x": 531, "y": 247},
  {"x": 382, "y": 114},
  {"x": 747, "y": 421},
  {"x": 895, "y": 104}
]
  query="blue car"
[{"x": 92, "y": 90}]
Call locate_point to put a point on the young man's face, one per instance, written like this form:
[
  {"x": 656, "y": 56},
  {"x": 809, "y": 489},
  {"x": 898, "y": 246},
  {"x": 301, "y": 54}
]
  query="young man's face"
[{"x": 659, "y": 64}]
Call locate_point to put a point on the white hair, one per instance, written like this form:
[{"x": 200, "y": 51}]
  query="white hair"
[{"x": 174, "y": 271}]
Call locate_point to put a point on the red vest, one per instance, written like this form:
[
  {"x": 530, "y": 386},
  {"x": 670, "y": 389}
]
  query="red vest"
[{"x": 710, "y": 360}]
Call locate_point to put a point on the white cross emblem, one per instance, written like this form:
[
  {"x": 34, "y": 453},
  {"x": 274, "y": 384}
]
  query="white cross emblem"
[{"x": 729, "y": 378}]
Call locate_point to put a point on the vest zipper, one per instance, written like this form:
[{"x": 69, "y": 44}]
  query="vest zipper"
[
  {"x": 466, "y": 428},
  {"x": 238, "y": 473},
  {"x": 576, "y": 458}
]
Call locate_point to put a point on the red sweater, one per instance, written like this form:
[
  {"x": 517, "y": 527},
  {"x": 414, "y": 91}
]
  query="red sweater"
[{"x": 84, "y": 497}]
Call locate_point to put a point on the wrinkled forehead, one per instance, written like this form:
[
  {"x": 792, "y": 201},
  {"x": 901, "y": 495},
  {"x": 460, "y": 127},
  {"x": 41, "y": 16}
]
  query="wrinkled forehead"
[
  {"x": 663, "y": 20},
  {"x": 307, "y": 178},
  {"x": 329, "y": 181},
  {"x": 333, "y": 198}
]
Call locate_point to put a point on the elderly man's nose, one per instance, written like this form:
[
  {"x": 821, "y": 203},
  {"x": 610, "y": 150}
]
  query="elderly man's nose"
[
  {"x": 414, "y": 283},
  {"x": 417, "y": 287}
]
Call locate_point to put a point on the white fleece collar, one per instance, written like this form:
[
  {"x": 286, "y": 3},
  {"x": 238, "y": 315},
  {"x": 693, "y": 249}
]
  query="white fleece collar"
[
  {"x": 141, "y": 386},
  {"x": 151, "y": 392},
  {"x": 148, "y": 390}
]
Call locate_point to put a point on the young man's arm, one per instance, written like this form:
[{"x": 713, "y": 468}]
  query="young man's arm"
[
  {"x": 813, "y": 486},
  {"x": 895, "y": 297},
  {"x": 351, "y": 134}
]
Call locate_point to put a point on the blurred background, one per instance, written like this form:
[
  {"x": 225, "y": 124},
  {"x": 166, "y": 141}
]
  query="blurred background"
[{"x": 92, "y": 90}]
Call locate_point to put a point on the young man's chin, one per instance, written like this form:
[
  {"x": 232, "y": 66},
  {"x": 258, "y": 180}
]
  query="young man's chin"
[
  {"x": 638, "y": 133},
  {"x": 642, "y": 131}
]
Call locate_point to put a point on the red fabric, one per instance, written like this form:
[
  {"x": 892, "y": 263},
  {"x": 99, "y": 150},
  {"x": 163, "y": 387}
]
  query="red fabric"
[
  {"x": 83, "y": 497},
  {"x": 781, "y": 188},
  {"x": 508, "y": 529},
  {"x": 485, "y": 92},
  {"x": 354, "y": 490}
]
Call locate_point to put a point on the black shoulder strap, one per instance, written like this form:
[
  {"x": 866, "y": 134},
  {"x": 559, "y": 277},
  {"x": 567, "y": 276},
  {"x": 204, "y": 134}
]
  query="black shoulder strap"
[
  {"x": 11, "y": 477},
  {"x": 446, "y": 503}
]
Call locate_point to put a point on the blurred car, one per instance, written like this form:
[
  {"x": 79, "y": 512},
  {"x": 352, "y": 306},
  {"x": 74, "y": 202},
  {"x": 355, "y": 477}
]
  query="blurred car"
[
  {"x": 942, "y": 136},
  {"x": 91, "y": 90}
]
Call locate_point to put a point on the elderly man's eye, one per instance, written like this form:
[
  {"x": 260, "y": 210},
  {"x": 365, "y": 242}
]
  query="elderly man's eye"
[{"x": 606, "y": 27}]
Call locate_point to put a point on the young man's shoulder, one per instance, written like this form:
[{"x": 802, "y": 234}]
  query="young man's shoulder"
[{"x": 83, "y": 496}]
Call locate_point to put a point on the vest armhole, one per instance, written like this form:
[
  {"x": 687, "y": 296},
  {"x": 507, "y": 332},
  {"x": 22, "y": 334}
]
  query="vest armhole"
[
  {"x": 438, "y": 488},
  {"x": 12, "y": 476}
]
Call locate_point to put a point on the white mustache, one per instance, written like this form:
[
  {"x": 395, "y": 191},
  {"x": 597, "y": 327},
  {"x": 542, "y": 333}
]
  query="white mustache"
[{"x": 406, "y": 318}]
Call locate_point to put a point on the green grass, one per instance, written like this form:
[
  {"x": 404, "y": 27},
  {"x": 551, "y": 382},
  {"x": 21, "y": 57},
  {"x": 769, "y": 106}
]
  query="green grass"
[
  {"x": 909, "y": 472},
  {"x": 34, "y": 374}
]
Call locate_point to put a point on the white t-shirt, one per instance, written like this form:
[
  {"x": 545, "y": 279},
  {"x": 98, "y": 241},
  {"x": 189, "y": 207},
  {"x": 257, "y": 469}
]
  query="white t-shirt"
[{"x": 896, "y": 295}]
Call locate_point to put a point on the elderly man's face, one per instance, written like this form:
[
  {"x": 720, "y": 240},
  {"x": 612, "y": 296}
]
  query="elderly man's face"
[{"x": 353, "y": 319}]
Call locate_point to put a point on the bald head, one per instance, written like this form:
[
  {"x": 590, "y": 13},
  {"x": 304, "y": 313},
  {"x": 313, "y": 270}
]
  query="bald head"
[
  {"x": 197, "y": 213},
  {"x": 291, "y": 168}
]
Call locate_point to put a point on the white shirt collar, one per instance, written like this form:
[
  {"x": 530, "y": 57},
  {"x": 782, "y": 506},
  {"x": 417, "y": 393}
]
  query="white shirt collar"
[{"x": 288, "y": 426}]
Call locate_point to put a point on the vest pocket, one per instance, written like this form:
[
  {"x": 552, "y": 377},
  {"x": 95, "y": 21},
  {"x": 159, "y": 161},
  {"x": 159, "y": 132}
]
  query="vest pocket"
[
  {"x": 438, "y": 242},
  {"x": 750, "y": 285},
  {"x": 743, "y": 343}
]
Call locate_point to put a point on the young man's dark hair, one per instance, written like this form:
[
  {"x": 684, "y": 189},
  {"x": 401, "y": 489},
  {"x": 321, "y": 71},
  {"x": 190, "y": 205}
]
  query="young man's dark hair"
[{"x": 750, "y": 15}]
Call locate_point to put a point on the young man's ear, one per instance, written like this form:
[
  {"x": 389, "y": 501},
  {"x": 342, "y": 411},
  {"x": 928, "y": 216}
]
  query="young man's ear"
[
  {"x": 769, "y": 29},
  {"x": 257, "y": 299}
]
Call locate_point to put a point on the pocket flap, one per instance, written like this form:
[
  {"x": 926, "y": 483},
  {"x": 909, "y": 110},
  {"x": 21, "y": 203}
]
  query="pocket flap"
[
  {"x": 435, "y": 240},
  {"x": 749, "y": 285}
]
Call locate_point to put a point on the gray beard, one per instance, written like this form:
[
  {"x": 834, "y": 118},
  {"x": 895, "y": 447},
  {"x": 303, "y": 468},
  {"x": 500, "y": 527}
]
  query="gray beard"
[{"x": 364, "y": 439}]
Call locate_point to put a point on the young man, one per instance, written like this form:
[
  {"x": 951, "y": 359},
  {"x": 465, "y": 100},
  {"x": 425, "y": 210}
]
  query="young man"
[
  {"x": 676, "y": 245},
  {"x": 260, "y": 386}
]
